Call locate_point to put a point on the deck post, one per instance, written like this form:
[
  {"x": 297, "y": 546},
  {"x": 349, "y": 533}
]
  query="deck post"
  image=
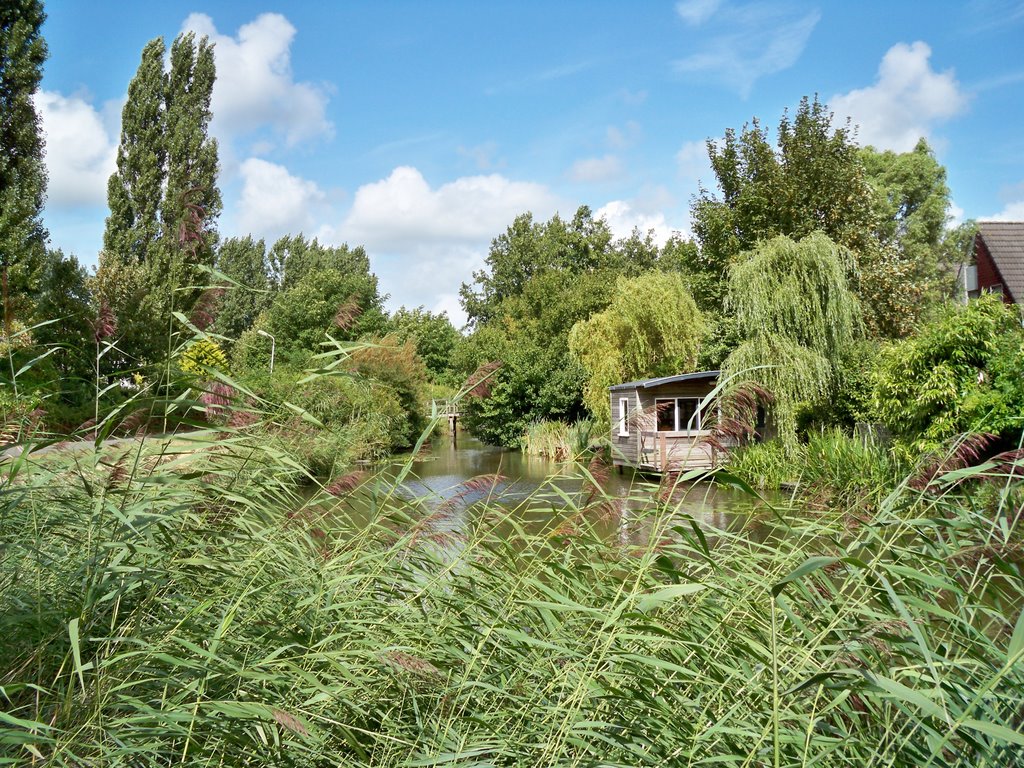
[{"x": 664, "y": 452}]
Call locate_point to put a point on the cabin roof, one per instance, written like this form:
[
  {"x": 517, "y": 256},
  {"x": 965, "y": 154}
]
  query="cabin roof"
[
  {"x": 1005, "y": 243},
  {"x": 649, "y": 383}
]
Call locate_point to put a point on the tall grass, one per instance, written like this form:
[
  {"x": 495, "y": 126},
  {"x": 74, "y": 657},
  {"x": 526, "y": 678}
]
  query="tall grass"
[
  {"x": 186, "y": 607},
  {"x": 558, "y": 440}
]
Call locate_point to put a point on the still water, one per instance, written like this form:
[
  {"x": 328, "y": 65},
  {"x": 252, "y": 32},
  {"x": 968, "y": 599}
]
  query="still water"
[{"x": 450, "y": 480}]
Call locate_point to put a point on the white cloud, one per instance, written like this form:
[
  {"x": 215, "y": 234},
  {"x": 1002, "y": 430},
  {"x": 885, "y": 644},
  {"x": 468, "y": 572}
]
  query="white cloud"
[
  {"x": 403, "y": 210},
  {"x": 907, "y": 99},
  {"x": 694, "y": 164},
  {"x": 695, "y": 12},
  {"x": 595, "y": 170},
  {"x": 624, "y": 216},
  {"x": 81, "y": 152},
  {"x": 753, "y": 41},
  {"x": 255, "y": 86},
  {"x": 1013, "y": 211},
  {"x": 274, "y": 202},
  {"x": 424, "y": 240}
]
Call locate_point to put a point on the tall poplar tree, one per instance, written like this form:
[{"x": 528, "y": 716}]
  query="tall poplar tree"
[
  {"x": 163, "y": 198},
  {"x": 22, "y": 174},
  {"x": 191, "y": 152},
  {"x": 135, "y": 189}
]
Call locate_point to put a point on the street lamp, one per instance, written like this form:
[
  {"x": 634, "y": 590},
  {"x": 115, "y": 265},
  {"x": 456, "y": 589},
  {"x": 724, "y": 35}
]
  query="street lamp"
[{"x": 273, "y": 343}]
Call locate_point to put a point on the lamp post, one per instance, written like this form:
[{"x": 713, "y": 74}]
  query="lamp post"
[{"x": 273, "y": 343}]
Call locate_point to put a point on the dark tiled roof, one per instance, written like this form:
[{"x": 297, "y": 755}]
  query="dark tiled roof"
[
  {"x": 1005, "y": 242},
  {"x": 648, "y": 383}
]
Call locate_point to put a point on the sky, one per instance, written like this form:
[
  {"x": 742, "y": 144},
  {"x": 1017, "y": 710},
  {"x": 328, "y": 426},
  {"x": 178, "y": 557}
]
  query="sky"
[{"x": 421, "y": 130}]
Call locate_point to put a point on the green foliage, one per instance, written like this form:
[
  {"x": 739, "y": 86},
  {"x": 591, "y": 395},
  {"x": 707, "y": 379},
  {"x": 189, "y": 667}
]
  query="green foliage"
[
  {"x": 63, "y": 312},
  {"x": 541, "y": 279},
  {"x": 22, "y": 173},
  {"x": 358, "y": 419},
  {"x": 397, "y": 366},
  {"x": 846, "y": 470},
  {"x": 201, "y": 356},
  {"x": 528, "y": 249},
  {"x": 766, "y": 465},
  {"x": 435, "y": 339},
  {"x": 207, "y": 613},
  {"x": 798, "y": 318},
  {"x": 959, "y": 373},
  {"x": 243, "y": 261},
  {"x": 651, "y": 328},
  {"x": 135, "y": 190},
  {"x": 163, "y": 197},
  {"x": 815, "y": 181},
  {"x": 797, "y": 290},
  {"x": 911, "y": 269},
  {"x": 560, "y": 441},
  {"x": 889, "y": 210}
]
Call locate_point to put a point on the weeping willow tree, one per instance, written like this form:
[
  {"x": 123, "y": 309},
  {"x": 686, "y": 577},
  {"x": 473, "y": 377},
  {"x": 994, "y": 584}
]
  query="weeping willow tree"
[
  {"x": 651, "y": 328},
  {"x": 796, "y": 315}
]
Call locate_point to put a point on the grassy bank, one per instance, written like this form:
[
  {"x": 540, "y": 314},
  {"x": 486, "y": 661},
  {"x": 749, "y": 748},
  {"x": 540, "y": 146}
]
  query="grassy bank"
[{"x": 156, "y": 612}]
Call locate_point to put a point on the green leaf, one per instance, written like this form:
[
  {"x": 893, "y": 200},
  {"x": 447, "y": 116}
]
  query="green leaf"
[
  {"x": 1016, "y": 647},
  {"x": 800, "y": 571},
  {"x": 76, "y": 650},
  {"x": 666, "y": 594},
  {"x": 994, "y": 730}
]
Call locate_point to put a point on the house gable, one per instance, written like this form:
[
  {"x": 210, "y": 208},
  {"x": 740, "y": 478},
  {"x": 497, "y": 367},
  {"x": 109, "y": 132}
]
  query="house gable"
[{"x": 999, "y": 255}]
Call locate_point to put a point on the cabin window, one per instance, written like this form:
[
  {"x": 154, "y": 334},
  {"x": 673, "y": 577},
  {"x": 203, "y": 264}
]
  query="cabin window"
[
  {"x": 624, "y": 417},
  {"x": 679, "y": 414}
]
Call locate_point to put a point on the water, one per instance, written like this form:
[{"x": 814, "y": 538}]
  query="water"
[{"x": 448, "y": 481}]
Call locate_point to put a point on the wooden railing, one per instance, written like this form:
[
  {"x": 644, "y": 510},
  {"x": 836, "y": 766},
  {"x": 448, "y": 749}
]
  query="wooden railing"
[
  {"x": 666, "y": 450},
  {"x": 449, "y": 408}
]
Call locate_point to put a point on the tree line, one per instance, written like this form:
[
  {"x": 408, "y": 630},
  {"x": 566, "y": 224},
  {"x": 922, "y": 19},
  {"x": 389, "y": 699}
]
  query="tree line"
[{"x": 811, "y": 259}]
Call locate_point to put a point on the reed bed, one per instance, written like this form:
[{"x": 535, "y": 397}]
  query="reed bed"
[
  {"x": 195, "y": 610},
  {"x": 558, "y": 440}
]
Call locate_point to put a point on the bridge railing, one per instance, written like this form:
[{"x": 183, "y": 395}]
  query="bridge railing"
[{"x": 439, "y": 408}]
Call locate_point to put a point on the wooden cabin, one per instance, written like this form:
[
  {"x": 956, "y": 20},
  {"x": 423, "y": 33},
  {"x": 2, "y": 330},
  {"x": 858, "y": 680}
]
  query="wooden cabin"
[{"x": 664, "y": 424}]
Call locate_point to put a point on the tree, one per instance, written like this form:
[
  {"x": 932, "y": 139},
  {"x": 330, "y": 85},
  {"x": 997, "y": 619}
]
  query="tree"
[
  {"x": 815, "y": 180},
  {"x": 910, "y": 203},
  {"x": 651, "y": 328},
  {"x": 434, "y": 337},
  {"x": 528, "y": 248},
  {"x": 244, "y": 262},
  {"x": 315, "y": 290},
  {"x": 135, "y": 189},
  {"x": 796, "y": 316},
  {"x": 22, "y": 173},
  {"x": 163, "y": 196},
  {"x": 63, "y": 310}
]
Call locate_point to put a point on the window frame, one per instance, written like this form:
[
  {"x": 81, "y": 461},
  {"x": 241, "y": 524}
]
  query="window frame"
[
  {"x": 624, "y": 417},
  {"x": 698, "y": 414}
]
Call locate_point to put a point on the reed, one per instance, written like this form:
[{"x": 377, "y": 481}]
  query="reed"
[
  {"x": 183, "y": 604},
  {"x": 559, "y": 440}
]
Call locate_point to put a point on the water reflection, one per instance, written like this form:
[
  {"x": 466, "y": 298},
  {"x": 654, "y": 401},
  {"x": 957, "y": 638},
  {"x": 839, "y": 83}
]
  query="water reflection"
[{"x": 449, "y": 487}]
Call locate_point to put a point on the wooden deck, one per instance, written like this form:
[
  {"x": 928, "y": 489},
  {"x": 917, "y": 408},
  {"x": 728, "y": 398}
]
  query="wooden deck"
[{"x": 675, "y": 451}]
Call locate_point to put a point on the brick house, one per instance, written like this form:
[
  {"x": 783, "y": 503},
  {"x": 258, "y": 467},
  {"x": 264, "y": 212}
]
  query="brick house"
[{"x": 998, "y": 262}]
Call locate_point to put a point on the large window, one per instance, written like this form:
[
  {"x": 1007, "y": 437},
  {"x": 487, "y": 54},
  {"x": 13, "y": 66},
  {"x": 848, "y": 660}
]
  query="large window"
[{"x": 679, "y": 414}]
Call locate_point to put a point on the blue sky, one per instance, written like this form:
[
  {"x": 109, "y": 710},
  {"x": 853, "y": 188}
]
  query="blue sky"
[{"x": 420, "y": 130}]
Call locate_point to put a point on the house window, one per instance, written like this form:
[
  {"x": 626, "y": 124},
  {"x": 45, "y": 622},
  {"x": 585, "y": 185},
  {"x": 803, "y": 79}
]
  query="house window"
[
  {"x": 624, "y": 417},
  {"x": 679, "y": 414}
]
